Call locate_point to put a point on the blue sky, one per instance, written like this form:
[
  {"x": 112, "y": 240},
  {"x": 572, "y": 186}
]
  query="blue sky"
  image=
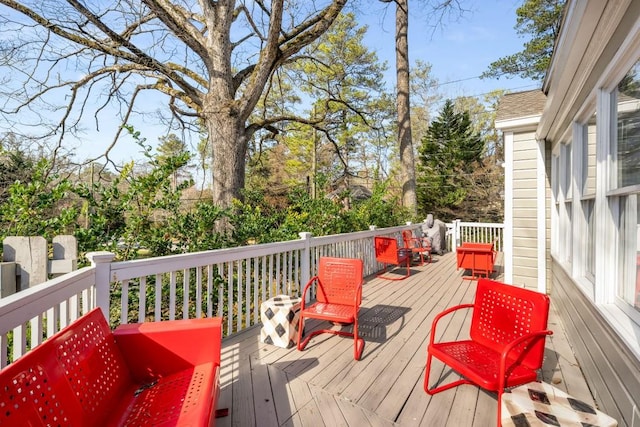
[{"x": 459, "y": 50}]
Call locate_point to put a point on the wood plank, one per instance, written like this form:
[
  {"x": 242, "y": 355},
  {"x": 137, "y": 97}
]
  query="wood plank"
[
  {"x": 329, "y": 410},
  {"x": 264, "y": 394},
  {"x": 242, "y": 408},
  {"x": 283, "y": 400}
]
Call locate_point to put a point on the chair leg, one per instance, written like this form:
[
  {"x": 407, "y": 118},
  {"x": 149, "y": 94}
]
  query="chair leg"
[
  {"x": 358, "y": 343},
  {"x": 426, "y": 373},
  {"x": 300, "y": 329},
  {"x": 499, "y": 423},
  {"x": 383, "y": 273},
  {"x": 435, "y": 390}
]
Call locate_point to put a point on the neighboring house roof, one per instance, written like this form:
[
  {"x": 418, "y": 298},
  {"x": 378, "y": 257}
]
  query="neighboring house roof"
[{"x": 521, "y": 104}]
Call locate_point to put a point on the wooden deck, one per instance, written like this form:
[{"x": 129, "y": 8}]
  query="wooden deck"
[{"x": 264, "y": 385}]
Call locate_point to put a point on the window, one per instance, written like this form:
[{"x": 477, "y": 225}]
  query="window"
[
  {"x": 629, "y": 280},
  {"x": 589, "y": 160},
  {"x": 588, "y": 187},
  {"x": 566, "y": 214},
  {"x": 565, "y": 170},
  {"x": 628, "y": 141},
  {"x": 590, "y": 262},
  {"x": 626, "y": 152}
]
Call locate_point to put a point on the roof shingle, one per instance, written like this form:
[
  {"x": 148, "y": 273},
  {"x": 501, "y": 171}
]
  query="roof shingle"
[{"x": 521, "y": 104}]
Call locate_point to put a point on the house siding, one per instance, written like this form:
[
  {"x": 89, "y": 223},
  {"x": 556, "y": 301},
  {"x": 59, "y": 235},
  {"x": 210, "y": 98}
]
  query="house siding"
[
  {"x": 612, "y": 370},
  {"x": 525, "y": 149}
]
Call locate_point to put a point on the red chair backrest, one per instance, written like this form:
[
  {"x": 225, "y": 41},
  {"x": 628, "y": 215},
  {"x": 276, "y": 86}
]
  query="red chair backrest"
[
  {"x": 340, "y": 280},
  {"x": 503, "y": 313},
  {"x": 409, "y": 240},
  {"x": 386, "y": 249},
  {"x": 76, "y": 376}
]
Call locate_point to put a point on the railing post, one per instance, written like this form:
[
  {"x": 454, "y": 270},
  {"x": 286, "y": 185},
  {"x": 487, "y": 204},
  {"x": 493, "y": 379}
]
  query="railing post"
[
  {"x": 305, "y": 262},
  {"x": 457, "y": 232},
  {"x": 101, "y": 260}
]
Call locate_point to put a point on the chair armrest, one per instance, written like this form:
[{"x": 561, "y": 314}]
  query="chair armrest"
[
  {"x": 169, "y": 346},
  {"x": 359, "y": 296},
  {"x": 303, "y": 297},
  {"x": 419, "y": 242},
  {"x": 512, "y": 345},
  {"x": 441, "y": 315}
]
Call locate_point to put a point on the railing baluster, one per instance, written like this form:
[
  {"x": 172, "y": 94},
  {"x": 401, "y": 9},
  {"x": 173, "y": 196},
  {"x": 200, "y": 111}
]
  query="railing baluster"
[
  {"x": 19, "y": 341},
  {"x": 221, "y": 303},
  {"x": 142, "y": 298},
  {"x": 198, "y": 292},
  {"x": 124, "y": 302},
  {"x": 36, "y": 331},
  {"x": 185, "y": 292},
  {"x": 247, "y": 291},
  {"x": 256, "y": 289},
  {"x": 270, "y": 277},
  {"x": 210, "y": 290},
  {"x": 229, "y": 304},
  {"x": 4, "y": 347},
  {"x": 158, "y": 298},
  {"x": 278, "y": 274},
  {"x": 173, "y": 278},
  {"x": 264, "y": 278}
]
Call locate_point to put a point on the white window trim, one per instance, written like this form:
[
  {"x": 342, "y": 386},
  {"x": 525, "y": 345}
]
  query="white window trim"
[
  {"x": 508, "y": 206},
  {"x": 541, "y": 223}
]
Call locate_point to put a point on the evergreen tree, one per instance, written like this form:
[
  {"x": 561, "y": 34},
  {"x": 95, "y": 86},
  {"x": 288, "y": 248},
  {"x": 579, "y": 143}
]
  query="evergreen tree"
[
  {"x": 449, "y": 154},
  {"x": 541, "y": 19}
]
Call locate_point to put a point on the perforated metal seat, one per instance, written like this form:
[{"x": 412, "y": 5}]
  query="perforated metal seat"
[
  {"x": 338, "y": 297},
  {"x": 507, "y": 338}
]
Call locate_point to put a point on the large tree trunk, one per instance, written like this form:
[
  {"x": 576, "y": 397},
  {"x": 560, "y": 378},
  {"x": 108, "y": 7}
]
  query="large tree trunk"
[
  {"x": 409, "y": 199},
  {"x": 227, "y": 137}
]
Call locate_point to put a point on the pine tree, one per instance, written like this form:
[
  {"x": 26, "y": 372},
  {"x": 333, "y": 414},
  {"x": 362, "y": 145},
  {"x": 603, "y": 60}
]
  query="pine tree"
[{"x": 449, "y": 154}]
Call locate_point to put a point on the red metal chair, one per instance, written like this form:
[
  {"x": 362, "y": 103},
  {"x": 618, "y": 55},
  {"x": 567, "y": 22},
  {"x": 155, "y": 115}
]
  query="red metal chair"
[
  {"x": 388, "y": 253},
  {"x": 506, "y": 340},
  {"x": 338, "y": 297},
  {"x": 417, "y": 246}
]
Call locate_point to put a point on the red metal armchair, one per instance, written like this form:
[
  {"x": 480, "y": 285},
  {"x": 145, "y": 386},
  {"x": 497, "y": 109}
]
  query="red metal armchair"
[
  {"x": 338, "y": 297},
  {"x": 417, "y": 246},
  {"x": 507, "y": 339},
  {"x": 388, "y": 253}
]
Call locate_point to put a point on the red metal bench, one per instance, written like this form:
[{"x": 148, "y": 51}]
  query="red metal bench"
[
  {"x": 140, "y": 374},
  {"x": 479, "y": 258}
]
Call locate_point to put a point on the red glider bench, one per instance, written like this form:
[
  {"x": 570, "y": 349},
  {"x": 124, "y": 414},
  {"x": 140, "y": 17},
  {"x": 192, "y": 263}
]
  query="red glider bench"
[
  {"x": 479, "y": 258},
  {"x": 163, "y": 373}
]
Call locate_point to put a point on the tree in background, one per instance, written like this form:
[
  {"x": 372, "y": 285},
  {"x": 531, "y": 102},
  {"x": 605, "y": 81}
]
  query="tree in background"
[
  {"x": 209, "y": 62},
  {"x": 172, "y": 148},
  {"x": 403, "y": 102},
  {"x": 541, "y": 19},
  {"x": 341, "y": 83},
  {"x": 482, "y": 113},
  {"x": 450, "y": 157},
  {"x": 424, "y": 95},
  {"x": 16, "y": 164}
]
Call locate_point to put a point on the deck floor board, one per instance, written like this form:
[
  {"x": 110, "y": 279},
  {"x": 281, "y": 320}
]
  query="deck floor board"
[{"x": 265, "y": 385}]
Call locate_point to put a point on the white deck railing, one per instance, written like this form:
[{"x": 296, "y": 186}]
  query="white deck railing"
[
  {"x": 459, "y": 232},
  {"x": 230, "y": 283}
]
